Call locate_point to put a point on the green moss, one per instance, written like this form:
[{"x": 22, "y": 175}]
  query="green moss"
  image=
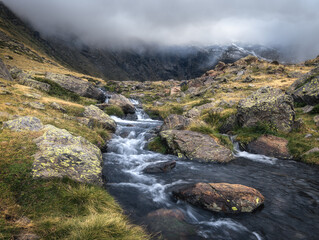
[
  {"x": 248, "y": 134},
  {"x": 153, "y": 113},
  {"x": 315, "y": 110},
  {"x": 222, "y": 139},
  {"x": 299, "y": 104},
  {"x": 114, "y": 111},
  {"x": 58, "y": 91},
  {"x": 184, "y": 88},
  {"x": 158, "y": 145}
]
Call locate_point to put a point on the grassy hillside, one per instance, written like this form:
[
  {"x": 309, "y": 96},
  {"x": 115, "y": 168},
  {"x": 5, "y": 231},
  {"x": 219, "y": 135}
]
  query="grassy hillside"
[{"x": 49, "y": 209}]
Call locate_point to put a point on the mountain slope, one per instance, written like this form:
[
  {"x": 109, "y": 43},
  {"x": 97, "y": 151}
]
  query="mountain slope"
[{"x": 142, "y": 64}]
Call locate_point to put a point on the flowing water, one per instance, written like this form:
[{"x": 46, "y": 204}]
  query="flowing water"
[{"x": 291, "y": 189}]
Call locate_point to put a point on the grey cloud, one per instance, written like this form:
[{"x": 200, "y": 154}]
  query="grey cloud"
[{"x": 292, "y": 25}]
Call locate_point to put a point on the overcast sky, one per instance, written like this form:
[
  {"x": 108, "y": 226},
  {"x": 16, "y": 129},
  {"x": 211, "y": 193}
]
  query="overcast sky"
[{"x": 293, "y": 24}]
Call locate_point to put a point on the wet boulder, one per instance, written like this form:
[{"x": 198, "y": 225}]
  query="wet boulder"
[
  {"x": 61, "y": 155},
  {"x": 171, "y": 223},
  {"x": 221, "y": 197},
  {"x": 306, "y": 89},
  {"x": 267, "y": 105},
  {"x": 122, "y": 102},
  {"x": 100, "y": 117},
  {"x": 77, "y": 85},
  {"x": 195, "y": 146},
  {"x": 270, "y": 146},
  {"x": 161, "y": 167},
  {"x": 24, "y": 124},
  {"x": 177, "y": 122}
]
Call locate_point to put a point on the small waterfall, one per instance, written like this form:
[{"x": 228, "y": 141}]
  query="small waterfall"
[
  {"x": 254, "y": 157},
  {"x": 290, "y": 188}
]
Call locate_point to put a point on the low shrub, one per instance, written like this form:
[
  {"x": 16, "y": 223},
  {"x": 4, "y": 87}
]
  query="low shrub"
[
  {"x": 58, "y": 91},
  {"x": 114, "y": 111}
]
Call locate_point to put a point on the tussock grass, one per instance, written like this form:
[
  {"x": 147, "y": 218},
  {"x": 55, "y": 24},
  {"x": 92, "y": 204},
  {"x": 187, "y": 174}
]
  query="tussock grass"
[
  {"x": 220, "y": 138},
  {"x": 114, "y": 111},
  {"x": 58, "y": 208}
]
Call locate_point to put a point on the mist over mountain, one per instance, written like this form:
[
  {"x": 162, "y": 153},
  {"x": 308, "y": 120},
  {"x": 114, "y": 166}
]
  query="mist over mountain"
[{"x": 181, "y": 39}]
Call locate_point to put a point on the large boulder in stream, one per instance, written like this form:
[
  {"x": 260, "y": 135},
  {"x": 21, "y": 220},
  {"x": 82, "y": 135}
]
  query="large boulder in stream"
[
  {"x": 221, "y": 197},
  {"x": 196, "y": 146},
  {"x": 306, "y": 89},
  {"x": 171, "y": 223},
  {"x": 77, "y": 85},
  {"x": 122, "y": 102},
  {"x": 160, "y": 167},
  {"x": 99, "y": 117},
  {"x": 270, "y": 146},
  {"x": 63, "y": 155},
  {"x": 267, "y": 106}
]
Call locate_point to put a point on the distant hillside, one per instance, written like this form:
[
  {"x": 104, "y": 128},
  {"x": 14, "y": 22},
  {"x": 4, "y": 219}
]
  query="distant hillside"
[{"x": 149, "y": 63}]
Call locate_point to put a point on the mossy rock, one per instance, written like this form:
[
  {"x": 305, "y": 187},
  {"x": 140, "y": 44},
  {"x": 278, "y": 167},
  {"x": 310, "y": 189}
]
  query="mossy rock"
[{"x": 63, "y": 155}]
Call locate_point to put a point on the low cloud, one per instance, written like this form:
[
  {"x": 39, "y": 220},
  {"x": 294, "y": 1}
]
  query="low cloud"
[{"x": 291, "y": 25}]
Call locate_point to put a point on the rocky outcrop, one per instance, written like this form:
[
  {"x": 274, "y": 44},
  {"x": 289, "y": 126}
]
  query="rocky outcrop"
[
  {"x": 161, "y": 167},
  {"x": 306, "y": 89},
  {"x": 77, "y": 85},
  {"x": 267, "y": 105},
  {"x": 35, "y": 105},
  {"x": 271, "y": 146},
  {"x": 26, "y": 79},
  {"x": 196, "y": 111},
  {"x": 63, "y": 155},
  {"x": 122, "y": 102},
  {"x": 196, "y": 146},
  {"x": 176, "y": 122},
  {"x": 100, "y": 117},
  {"x": 24, "y": 124},
  {"x": 4, "y": 72},
  {"x": 316, "y": 120},
  {"x": 221, "y": 197},
  {"x": 57, "y": 106}
]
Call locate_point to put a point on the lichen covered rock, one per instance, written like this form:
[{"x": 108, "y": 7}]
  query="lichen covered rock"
[
  {"x": 63, "y": 155},
  {"x": 267, "y": 105},
  {"x": 306, "y": 89},
  {"x": 24, "y": 124},
  {"x": 196, "y": 146},
  {"x": 176, "y": 122},
  {"x": 77, "y": 85},
  {"x": 96, "y": 114},
  {"x": 221, "y": 197}
]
